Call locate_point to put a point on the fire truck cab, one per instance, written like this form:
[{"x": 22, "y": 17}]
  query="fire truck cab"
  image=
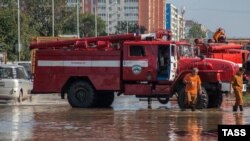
[{"x": 141, "y": 57}]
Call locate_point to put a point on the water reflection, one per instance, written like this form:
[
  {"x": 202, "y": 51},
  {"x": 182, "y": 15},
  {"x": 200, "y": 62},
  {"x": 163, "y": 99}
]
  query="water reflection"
[
  {"x": 194, "y": 129},
  {"x": 61, "y": 122},
  {"x": 196, "y": 126},
  {"x": 238, "y": 118},
  {"x": 109, "y": 124},
  {"x": 16, "y": 123},
  {"x": 234, "y": 118}
]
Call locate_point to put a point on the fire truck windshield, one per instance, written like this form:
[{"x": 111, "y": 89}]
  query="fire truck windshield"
[{"x": 185, "y": 51}]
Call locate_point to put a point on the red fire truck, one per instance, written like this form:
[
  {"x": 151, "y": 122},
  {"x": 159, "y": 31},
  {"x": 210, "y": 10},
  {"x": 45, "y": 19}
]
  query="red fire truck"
[
  {"x": 226, "y": 51},
  {"x": 90, "y": 70}
]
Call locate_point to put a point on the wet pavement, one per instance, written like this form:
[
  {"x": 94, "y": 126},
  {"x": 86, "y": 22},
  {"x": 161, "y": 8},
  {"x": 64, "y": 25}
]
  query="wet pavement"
[{"x": 48, "y": 117}]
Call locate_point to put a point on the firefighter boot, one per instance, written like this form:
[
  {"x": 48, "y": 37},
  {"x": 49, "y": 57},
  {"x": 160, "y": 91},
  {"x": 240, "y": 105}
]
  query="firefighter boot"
[
  {"x": 149, "y": 103},
  {"x": 235, "y": 108},
  {"x": 184, "y": 108},
  {"x": 241, "y": 108},
  {"x": 193, "y": 107}
]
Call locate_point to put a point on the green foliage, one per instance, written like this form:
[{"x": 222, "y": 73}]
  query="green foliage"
[
  {"x": 36, "y": 20},
  {"x": 86, "y": 25},
  {"x": 41, "y": 15},
  {"x": 122, "y": 27},
  {"x": 196, "y": 32},
  {"x": 9, "y": 31}
]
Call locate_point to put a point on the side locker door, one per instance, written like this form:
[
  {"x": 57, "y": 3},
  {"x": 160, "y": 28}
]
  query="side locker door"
[
  {"x": 135, "y": 63},
  {"x": 173, "y": 62}
]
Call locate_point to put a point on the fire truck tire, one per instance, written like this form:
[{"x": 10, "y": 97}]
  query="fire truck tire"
[
  {"x": 104, "y": 99},
  {"x": 215, "y": 99},
  {"x": 202, "y": 100},
  {"x": 181, "y": 97},
  {"x": 81, "y": 94},
  {"x": 163, "y": 100}
]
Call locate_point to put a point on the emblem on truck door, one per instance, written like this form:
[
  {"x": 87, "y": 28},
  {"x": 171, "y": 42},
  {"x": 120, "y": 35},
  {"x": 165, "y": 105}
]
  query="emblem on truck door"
[{"x": 136, "y": 69}]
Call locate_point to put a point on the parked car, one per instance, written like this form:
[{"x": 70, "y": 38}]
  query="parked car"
[
  {"x": 14, "y": 83},
  {"x": 26, "y": 65}
]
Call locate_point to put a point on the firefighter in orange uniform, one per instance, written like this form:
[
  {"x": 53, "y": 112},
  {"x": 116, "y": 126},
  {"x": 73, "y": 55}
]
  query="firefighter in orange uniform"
[
  {"x": 219, "y": 35},
  {"x": 193, "y": 87},
  {"x": 237, "y": 85}
]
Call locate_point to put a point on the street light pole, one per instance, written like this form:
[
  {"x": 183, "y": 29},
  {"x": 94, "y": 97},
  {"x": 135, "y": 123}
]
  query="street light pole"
[
  {"x": 127, "y": 26},
  {"x": 53, "y": 18},
  {"x": 18, "y": 29},
  {"x": 95, "y": 19},
  {"x": 108, "y": 18},
  {"x": 77, "y": 18},
  {"x": 183, "y": 10}
]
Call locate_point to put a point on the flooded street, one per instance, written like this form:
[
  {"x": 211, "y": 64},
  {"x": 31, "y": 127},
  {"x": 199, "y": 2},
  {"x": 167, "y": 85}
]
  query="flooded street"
[{"x": 48, "y": 117}]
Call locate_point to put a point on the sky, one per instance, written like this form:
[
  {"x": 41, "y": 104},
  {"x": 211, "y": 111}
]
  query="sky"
[{"x": 232, "y": 15}]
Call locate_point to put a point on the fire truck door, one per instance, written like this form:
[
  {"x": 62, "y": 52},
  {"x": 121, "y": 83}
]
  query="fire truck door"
[
  {"x": 173, "y": 62},
  {"x": 167, "y": 62},
  {"x": 137, "y": 64}
]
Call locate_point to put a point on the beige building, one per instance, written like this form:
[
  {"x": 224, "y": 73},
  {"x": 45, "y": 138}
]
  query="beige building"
[{"x": 152, "y": 14}]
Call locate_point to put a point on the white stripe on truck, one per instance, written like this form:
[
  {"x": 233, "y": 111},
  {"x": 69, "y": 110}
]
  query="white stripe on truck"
[{"x": 91, "y": 63}]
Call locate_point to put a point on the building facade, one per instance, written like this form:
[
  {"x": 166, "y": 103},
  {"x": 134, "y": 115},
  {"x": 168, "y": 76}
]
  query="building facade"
[
  {"x": 172, "y": 20},
  {"x": 88, "y": 6},
  {"x": 148, "y": 13},
  {"x": 152, "y": 14},
  {"x": 73, "y": 3},
  {"x": 113, "y": 11},
  {"x": 175, "y": 22},
  {"x": 181, "y": 27}
]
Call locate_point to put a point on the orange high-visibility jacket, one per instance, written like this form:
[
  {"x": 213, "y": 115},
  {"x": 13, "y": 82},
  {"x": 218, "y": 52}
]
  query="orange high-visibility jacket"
[
  {"x": 218, "y": 34},
  {"x": 237, "y": 82},
  {"x": 192, "y": 88}
]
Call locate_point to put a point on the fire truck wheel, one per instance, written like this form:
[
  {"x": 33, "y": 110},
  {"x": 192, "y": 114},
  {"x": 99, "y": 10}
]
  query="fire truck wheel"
[
  {"x": 215, "y": 99},
  {"x": 202, "y": 100},
  {"x": 104, "y": 99},
  {"x": 181, "y": 97},
  {"x": 81, "y": 94},
  {"x": 163, "y": 100}
]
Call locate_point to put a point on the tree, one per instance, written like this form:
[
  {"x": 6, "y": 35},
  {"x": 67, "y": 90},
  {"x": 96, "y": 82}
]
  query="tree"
[
  {"x": 132, "y": 28},
  {"x": 36, "y": 20},
  {"x": 196, "y": 32},
  {"x": 8, "y": 31},
  {"x": 41, "y": 14},
  {"x": 135, "y": 27},
  {"x": 87, "y": 25}
]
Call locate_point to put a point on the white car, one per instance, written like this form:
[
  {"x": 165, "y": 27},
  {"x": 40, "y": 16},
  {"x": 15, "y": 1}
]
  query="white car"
[{"x": 14, "y": 83}]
